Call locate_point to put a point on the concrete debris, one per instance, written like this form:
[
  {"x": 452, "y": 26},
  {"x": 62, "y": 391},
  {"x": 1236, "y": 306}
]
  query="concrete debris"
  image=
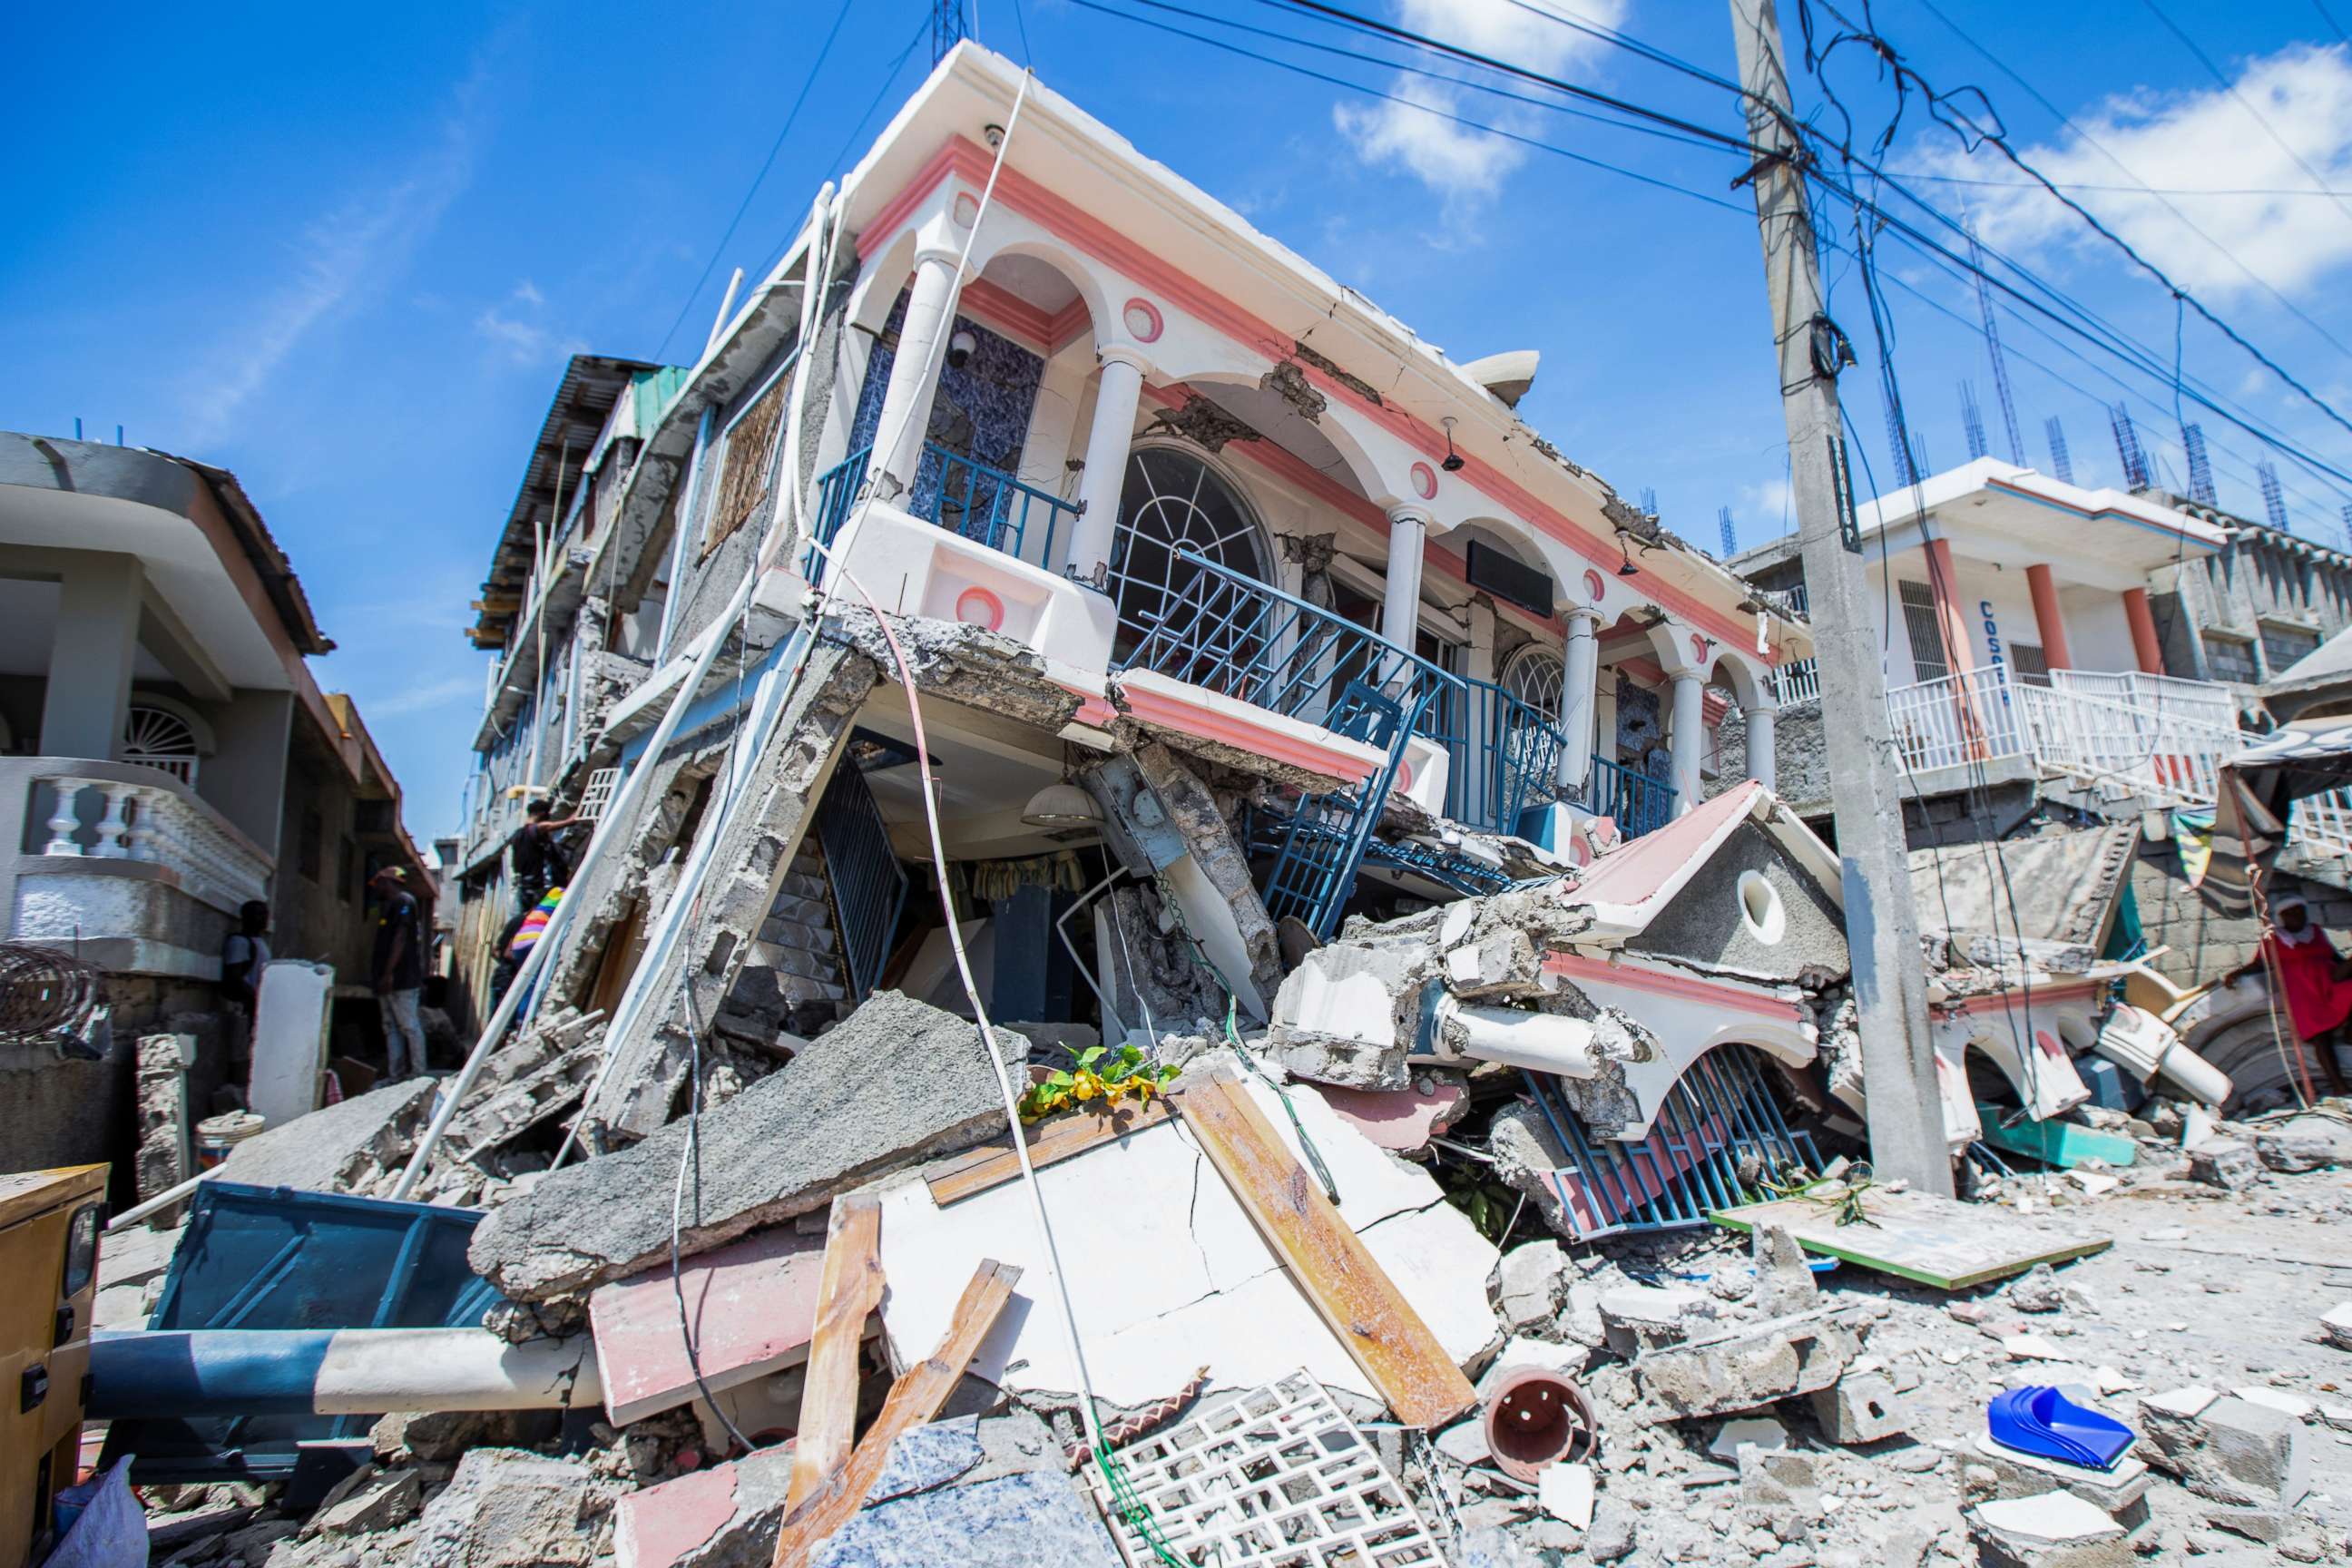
[
  {"x": 366, "y": 1500},
  {"x": 2224, "y": 1163},
  {"x": 165, "y": 1155},
  {"x": 1738, "y": 1369},
  {"x": 507, "y": 1509},
  {"x": 2228, "y": 1449},
  {"x": 358, "y": 1146},
  {"x": 1784, "y": 1281},
  {"x": 1649, "y": 1317},
  {"x": 2037, "y": 1290},
  {"x": 2303, "y": 1144},
  {"x": 2053, "y": 1529},
  {"x": 2336, "y": 1325},
  {"x": 1860, "y": 1407},
  {"x": 1531, "y": 1283},
  {"x": 896, "y": 1081}
]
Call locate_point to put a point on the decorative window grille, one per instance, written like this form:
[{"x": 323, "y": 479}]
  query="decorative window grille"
[
  {"x": 159, "y": 738},
  {"x": 1926, "y": 632},
  {"x": 598, "y": 797}
]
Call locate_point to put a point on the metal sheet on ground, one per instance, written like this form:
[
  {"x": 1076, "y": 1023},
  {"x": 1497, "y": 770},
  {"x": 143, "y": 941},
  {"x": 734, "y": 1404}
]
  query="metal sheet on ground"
[{"x": 1941, "y": 1242}]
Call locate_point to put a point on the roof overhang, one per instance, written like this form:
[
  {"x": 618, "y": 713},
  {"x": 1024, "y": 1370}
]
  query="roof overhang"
[{"x": 1998, "y": 511}]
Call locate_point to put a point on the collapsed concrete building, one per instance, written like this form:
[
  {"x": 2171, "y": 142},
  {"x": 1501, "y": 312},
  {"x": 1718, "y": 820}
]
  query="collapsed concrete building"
[{"x": 1232, "y": 610}]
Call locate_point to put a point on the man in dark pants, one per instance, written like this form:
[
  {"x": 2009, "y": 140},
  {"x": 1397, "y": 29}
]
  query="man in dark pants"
[
  {"x": 398, "y": 973},
  {"x": 244, "y": 956},
  {"x": 534, "y": 856}
]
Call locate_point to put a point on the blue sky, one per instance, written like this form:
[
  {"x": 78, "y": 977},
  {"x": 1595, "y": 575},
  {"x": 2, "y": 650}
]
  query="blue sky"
[{"x": 346, "y": 254}]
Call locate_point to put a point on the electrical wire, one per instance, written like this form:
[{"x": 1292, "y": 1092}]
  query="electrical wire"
[{"x": 792, "y": 117}]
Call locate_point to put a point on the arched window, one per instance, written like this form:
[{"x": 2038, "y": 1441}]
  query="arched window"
[
  {"x": 1534, "y": 675},
  {"x": 161, "y": 739},
  {"x": 1172, "y": 502}
]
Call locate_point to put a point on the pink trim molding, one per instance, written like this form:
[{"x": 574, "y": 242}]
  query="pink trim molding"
[
  {"x": 1168, "y": 710},
  {"x": 1687, "y": 987}
]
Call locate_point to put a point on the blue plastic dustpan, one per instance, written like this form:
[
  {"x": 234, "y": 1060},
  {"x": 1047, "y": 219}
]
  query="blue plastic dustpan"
[{"x": 2040, "y": 1420}]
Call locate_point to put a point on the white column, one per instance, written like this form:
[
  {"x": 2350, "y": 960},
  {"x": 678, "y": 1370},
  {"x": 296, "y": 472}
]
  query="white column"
[
  {"x": 1093, "y": 535},
  {"x": 1579, "y": 657},
  {"x": 1400, "y": 610},
  {"x": 906, "y": 415},
  {"x": 1686, "y": 741},
  {"x": 1761, "y": 720}
]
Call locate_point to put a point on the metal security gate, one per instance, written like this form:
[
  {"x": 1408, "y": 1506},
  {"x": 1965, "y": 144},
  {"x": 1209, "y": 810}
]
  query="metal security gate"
[
  {"x": 869, "y": 886},
  {"x": 1719, "y": 1133}
]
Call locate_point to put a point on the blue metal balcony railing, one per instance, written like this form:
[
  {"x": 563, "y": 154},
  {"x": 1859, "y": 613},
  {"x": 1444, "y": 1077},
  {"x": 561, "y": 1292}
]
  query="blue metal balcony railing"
[
  {"x": 968, "y": 498},
  {"x": 1210, "y": 626},
  {"x": 1639, "y": 803},
  {"x": 1505, "y": 754}
]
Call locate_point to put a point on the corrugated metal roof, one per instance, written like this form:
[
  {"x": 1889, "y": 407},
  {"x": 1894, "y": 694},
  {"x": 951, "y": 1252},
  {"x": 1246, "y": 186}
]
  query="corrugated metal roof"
[{"x": 592, "y": 385}]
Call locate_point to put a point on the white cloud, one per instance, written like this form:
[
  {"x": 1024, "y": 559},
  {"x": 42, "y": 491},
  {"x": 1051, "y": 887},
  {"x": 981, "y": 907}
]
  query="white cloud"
[
  {"x": 2199, "y": 142},
  {"x": 361, "y": 240},
  {"x": 1463, "y": 164},
  {"x": 509, "y": 326}
]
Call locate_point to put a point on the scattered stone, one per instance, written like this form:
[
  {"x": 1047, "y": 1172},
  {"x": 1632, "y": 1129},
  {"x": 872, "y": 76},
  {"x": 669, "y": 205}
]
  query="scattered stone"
[
  {"x": 2336, "y": 1325},
  {"x": 1494, "y": 1547},
  {"x": 1784, "y": 1284},
  {"x": 445, "y": 1436},
  {"x": 1532, "y": 1283},
  {"x": 895, "y": 1082},
  {"x": 368, "y": 1499},
  {"x": 1613, "y": 1533},
  {"x": 1777, "y": 1477},
  {"x": 2224, "y": 1163},
  {"x": 2031, "y": 1347},
  {"x": 1738, "y": 1371},
  {"x": 2279, "y": 1400},
  {"x": 2037, "y": 1290},
  {"x": 1749, "y": 1431},
  {"x": 1973, "y": 1313},
  {"x": 507, "y": 1508}
]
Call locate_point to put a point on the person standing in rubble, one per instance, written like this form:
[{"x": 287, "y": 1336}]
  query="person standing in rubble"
[
  {"x": 535, "y": 857},
  {"x": 2315, "y": 979},
  {"x": 399, "y": 975}
]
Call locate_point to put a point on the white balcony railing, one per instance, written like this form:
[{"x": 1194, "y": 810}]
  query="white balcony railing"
[
  {"x": 2159, "y": 738},
  {"x": 158, "y": 823}
]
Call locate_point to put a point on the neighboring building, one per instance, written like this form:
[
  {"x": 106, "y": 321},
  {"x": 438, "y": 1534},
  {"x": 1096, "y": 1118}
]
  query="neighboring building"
[
  {"x": 1208, "y": 502},
  {"x": 167, "y": 757},
  {"x": 2024, "y": 623},
  {"x": 2265, "y": 601}
]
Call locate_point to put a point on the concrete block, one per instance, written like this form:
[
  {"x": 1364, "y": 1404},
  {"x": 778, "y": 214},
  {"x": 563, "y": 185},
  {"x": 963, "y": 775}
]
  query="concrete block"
[
  {"x": 507, "y": 1508},
  {"x": 2231, "y": 1451},
  {"x": 1784, "y": 1283},
  {"x": 895, "y": 1083},
  {"x": 1748, "y": 1432},
  {"x": 340, "y": 1148},
  {"x": 1565, "y": 1490},
  {"x": 1351, "y": 1013},
  {"x": 2304, "y": 1143},
  {"x": 1861, "y": 1407},
  {"x": 753, "y": 1305},
  {"x": 1743, "y": 1370}
]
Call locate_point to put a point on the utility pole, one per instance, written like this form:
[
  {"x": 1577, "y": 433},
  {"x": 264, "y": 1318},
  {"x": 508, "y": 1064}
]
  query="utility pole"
[{"x": 1898, "y": 1059}]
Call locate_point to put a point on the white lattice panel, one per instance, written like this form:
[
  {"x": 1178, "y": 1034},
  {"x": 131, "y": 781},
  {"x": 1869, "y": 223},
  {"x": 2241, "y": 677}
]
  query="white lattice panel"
[{"x": 1276, "y": 1478}]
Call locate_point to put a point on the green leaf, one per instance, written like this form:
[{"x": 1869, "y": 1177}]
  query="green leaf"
[
  {"x": 1060, "y": 1080},
  {"x": 1130, "y": 1055},
  {"x": 1091, "y": 1055}
]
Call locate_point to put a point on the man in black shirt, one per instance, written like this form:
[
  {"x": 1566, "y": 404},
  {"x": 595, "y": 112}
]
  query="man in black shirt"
[
  {"x": 398, "y": 974},
  {"x": 536, "y": 858}
]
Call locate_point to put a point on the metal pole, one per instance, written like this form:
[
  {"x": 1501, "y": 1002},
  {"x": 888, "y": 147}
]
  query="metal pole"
[{"x": 1898, "y": 1062}]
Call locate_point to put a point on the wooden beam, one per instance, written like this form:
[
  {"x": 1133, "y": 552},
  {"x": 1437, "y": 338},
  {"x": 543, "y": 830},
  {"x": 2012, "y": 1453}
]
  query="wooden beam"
[
  {"x": 1055, "y": 1139},
  {"x": 849, "y": 1289},
  {"x": 1327, "y": 1259},
  {"x": 913, "y": 1399}
]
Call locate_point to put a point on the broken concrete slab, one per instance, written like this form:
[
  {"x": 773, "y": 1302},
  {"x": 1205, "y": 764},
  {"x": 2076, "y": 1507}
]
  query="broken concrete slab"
[
  {"x": 345, "y": 1148},
  {"x": 1784, "y": 1281},
  {"x": 2336, "y": 1325},
  {"x": 752, "y": 1305},
  {"x": 2051, "y": 1530},
  {"x": 722, "y": 1517},
  {"x": 1638, "y": 1318},
  {"x": 2303, "y": 1144},
  {"x": 1402, "y": 1119},
  {"x": 366, "y": 1500},
  {"x": 1351, "y": 1013},
  {"x": 1196, "y": 1280},
  {"x": 440, "y": 1436},
  {"x": 2230, "y": 1451},
  {"x": 1530, "y": 1284},
  {"x": 165, "y": 1156},
  {"x": 2224, "y": 1163},
  {"x": 1741, "y": 1369},
  {"x": 2120, "y": 1490},
  {"x": 507, "y": 1509},
  {"x": 896, "y": 1081},
  {"x": 1222, "y": 863}
]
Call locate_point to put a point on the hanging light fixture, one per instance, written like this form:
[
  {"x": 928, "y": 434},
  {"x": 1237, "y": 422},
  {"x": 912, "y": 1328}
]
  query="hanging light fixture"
[
  {"x": 1454, "y": 460},
  {"x": 1626, "y": 555},
  {"x": 1062, "y": 804}
]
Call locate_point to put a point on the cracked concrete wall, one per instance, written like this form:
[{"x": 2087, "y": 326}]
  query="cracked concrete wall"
[
  {"x": 754, "y": 850},
  {"x": 1703, "y": 923},
  {"x": 1192, "y": 811},
  {"x": 603, "y": 901}
]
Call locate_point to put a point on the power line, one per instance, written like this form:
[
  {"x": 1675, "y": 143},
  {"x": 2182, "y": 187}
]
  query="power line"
[
  {"x": 2095, "y": 145},
  {"x": 2242, "y": 101},
  {"x": 767, "y": 163}
]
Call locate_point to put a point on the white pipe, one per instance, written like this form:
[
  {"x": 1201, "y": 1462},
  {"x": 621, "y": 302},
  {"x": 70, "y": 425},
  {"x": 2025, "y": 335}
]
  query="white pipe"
[
  {"x": 1515, "y": 1036},
  {"x": 336, "y": 1372}
]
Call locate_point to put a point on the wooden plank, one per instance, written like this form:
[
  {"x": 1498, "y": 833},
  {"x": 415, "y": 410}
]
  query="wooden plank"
[
  {"x": 850, "y": 1290},
  {"x": 1055, "y": 1139},
  {"x": 1326, "y": 1259},
  {"x": 1939, "y": 1242},
  {"x": 913, "y": 1399}
]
